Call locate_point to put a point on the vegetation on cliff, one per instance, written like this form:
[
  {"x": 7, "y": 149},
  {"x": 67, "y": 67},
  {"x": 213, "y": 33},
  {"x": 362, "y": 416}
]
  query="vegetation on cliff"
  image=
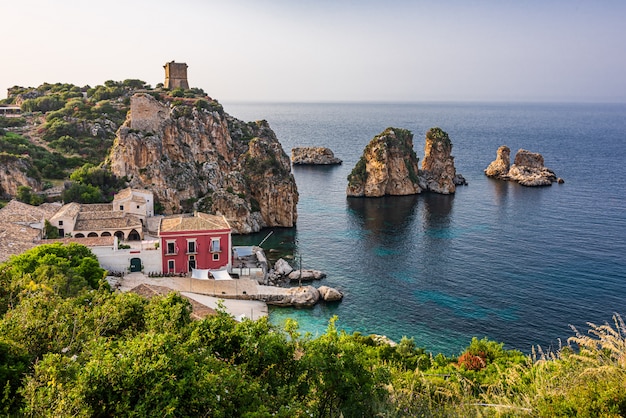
[
  {"x": 388, "y": 166},
  {"x": 66, "y": 130},
  {"x": 69, "y": 346}
]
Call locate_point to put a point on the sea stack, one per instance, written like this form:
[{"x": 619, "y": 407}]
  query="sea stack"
[
  {"x": 528, "y": 168},
  {"x": 438, "y": 171},
  {"x": 388, "y": 166}
]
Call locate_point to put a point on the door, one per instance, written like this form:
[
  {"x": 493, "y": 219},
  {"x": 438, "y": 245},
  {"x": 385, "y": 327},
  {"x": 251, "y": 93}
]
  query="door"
[{"x": 135, "y": 265}]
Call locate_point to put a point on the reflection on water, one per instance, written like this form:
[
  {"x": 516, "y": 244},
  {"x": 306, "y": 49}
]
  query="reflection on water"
[
  {"x": 383, "y": 214},
  {"x": 437, "y": 209}
]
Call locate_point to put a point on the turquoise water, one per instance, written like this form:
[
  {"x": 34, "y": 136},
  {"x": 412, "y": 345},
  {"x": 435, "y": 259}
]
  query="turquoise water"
[{"x": 515, "y": 264}]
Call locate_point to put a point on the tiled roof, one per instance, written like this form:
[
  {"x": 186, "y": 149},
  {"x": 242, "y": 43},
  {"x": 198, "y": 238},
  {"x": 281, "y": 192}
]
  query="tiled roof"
[
  {"x": 87, "y": 242},
  {"x": 18, "y": 212},
  {"x": 197, "y": 222},
  {"x": 96, "y": 221},
  {"x": 69, "y": 210},
  {"x": 138, "y": 199},
  {"x": 96, "y": 207},
  {"x": 127, "y": 192},
  {"x": 15, "y": 239}
]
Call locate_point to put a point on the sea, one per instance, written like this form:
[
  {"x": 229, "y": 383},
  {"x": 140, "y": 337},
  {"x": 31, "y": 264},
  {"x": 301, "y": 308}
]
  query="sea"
[{"x": 514, "y": 264}]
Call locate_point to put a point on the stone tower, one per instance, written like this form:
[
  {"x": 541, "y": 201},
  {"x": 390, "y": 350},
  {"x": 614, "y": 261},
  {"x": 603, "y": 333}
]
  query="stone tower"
[{"x": 176, "y": 75}]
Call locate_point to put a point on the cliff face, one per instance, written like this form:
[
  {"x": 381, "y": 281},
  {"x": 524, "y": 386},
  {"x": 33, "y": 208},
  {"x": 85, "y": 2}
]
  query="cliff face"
[
  {"x": 527, "y": 169},
  {"x": 438, "y": 169},
  {"x": 14, "y": 173},
  {"x": 388, "y": 166},
  {"x": 194, "y": 156}
]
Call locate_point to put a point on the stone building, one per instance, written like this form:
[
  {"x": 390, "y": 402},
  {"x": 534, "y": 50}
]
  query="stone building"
[
  {"x": 176, "y": 75},
  {"x": 125, "y": 218}
]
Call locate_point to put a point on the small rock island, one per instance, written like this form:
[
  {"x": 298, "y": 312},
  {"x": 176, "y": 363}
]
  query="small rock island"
[
  {"x": 313, "y": 156},
  {"x": 527, "y": 169},
  {"x": 389, "y": 166}
]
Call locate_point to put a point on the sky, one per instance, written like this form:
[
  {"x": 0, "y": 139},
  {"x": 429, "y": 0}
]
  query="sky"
[{"x": 325, "y": 50}]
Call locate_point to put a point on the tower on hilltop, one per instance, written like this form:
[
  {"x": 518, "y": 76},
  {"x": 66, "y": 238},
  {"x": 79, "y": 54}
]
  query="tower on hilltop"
[{"x": 176, "y": 75}]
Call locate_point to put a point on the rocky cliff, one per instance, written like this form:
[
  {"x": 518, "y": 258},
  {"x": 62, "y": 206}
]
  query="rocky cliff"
[
  {"x": 388, "y": 166},
  {"x": 438, "y": 171},
  {"x": 528, "y": 168},
  {"x": 192, "y": 155},
  {"x": 313, "y": 156},
  {"x": 14, "y": 173}
]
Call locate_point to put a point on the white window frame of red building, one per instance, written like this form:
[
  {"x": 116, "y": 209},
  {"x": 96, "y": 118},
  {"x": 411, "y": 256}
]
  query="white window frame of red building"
[
  {"x": 171, "y": 263},
  {"x": 216, "y": 242},
  {"x": 167, "y": 247},
  {"x": 216, "y": 256},
  {"x": 195, "y": 245}
]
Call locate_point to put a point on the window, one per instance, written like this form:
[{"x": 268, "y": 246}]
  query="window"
[
  {"x": 137, "y": 206},
  {"x": 215, "y": 245},
  {"x": 171, "y": 247},
  {"x": 170, "y": 266},
  {"x": 192, "y": 262},
  {"x": 216, "y": 256},
  {"x": 60, "y": 223},
  {"x": 121, "y": 207},
  {"x": 191, "y": 246}
]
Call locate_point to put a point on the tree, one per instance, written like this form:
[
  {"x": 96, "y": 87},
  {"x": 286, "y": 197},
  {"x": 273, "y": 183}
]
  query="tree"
[
  {"x": 25, "y": 195},
  {"x": 50, "y": 231}
]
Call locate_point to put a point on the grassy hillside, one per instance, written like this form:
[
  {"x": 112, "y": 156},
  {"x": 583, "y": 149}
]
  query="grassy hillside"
[{"x": 71, "y": 347}]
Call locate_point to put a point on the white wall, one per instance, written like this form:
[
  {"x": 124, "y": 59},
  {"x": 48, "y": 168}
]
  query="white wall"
[{"x": 119, "y": 260}]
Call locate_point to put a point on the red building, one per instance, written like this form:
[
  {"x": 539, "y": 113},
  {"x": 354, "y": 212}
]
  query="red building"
[{"x": 200, "y": 241}]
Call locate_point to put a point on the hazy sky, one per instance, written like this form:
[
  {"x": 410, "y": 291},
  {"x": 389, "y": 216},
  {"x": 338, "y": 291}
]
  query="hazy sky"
[{"x": 326, "y": 50}]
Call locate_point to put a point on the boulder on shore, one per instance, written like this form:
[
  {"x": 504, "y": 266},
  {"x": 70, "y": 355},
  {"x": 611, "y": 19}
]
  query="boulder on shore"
[
  {"x": 330, "y": 294},
  {"x": 282, "y": 268},
  {"x": 313, "y": 156},
  {"x": 307, "y": 275},
  {"x": 527, "y": 169},
  {"x": 295, "y": 296}
]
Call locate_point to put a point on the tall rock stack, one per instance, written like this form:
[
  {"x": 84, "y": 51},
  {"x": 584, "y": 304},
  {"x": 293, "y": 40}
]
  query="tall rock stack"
[
  {"x": 438, "y": 169},
  {"x": 388, "y": 166}
]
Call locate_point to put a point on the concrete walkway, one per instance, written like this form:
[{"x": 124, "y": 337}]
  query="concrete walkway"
[{"x": 207, "y": 292}]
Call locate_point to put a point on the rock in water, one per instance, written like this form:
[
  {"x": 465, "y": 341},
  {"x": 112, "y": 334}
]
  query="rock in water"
[
  {"x": 194, "y": 156},
  {"x": 330, "y": 294},
  {"x": 388, "y": 167},
  {"x": 438, "y": 171},
  {"x": 282, "y": 267},
  {"x": 499, "y": 168},
  {"x": 527, "y": 170},
  {"x": 313, "y": 156}
]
